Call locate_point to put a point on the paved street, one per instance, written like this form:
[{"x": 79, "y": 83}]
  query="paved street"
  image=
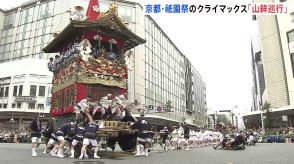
[{"x": 262, "y": 153}]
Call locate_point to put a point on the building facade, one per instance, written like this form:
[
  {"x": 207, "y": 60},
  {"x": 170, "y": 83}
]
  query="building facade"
[
  {"x": 258, "y": 89},
  {"x": 199, "y": 102},
  {"x": 25, "y": 90},
  {"x": 273, "y": 64},
  {"x": 275, "y": 33},
  {"x": 161, "y": 72}
]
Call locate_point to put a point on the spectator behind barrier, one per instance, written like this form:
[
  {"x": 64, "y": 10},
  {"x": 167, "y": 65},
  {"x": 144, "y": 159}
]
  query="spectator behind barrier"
[
  {"x": 270, "y": 139},
  {"x": 292, "y": 138}
]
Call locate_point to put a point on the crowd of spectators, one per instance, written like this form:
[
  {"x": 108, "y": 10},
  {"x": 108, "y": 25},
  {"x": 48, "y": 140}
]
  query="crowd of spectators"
[
  {"x": 14, "y": 136},
  {"x": 274, "y": 135}
]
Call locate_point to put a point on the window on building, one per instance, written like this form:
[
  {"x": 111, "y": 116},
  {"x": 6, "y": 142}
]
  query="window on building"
[
  {"x": 30, "y": 15},
  {"x": 182, "y": 96},
  {"x": 8, "y": 21},
  {"x": 4, "y": 106},
  {"x": 292, "y": 17},
  {"x": 42, "y": 90},
  {"x": 32, "y": 105},
  {"x": 22, "y": 18},
  {"x": 33, "y": 90},
  {"x": 1, "y": 92},
  {"x": 40, "y": 106},
  {"x": 14, "y": 90},
  {"x": 292, "y": 63},
  {"x": 6, "y": 91},
  {"x": 254, "y": 17},
  {"x": 46, "y": 10},
  {"x": 49, "y": 91},
  {"x": 18, "y": 105},
  {"x": 20, "y": 90},
  {"x": 125, "y": 13},
  {"x": 258, "y": 57},
  {"x": 290, "y": 36},
  {"x": 13, "y": 105},
  {"x": 0, "y": 105}
]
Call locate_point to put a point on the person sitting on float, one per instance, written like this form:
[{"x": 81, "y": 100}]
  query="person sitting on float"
[
  {"x": 83, "y": 106},
  {"x": 98, "y": 110},
  {"x": 106, "y": 101},
  {"x": 115, "y": 109}
]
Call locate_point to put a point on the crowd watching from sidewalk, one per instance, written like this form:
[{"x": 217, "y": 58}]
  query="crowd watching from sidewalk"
[
  {"x": 274, "y": 135},
  {"x": 14, "y": 136}
]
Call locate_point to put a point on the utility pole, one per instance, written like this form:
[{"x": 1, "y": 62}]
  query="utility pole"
[
  {"x": 237, "y": 122},
  {"x": 261, "y": 116},
  {"x": 262, "y": 121},
  {"x": 215, "y": 118},
  {"x": 232, "y": 114}
]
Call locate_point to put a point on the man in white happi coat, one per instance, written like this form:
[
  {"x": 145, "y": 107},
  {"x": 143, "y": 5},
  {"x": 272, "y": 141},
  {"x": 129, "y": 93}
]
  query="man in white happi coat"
[
  {"x": 181, "y": 138},
  {"x": 83, "y": 106},
  {"x": 174, "y": 139},
  {"x": 107, "y": 102},
  {"x": 191, "y": 139}
]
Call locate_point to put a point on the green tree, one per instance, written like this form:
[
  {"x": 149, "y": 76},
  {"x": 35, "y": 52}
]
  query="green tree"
[
  {"x": 221, "y": 118},
  {"x": 266, "y": 109}
]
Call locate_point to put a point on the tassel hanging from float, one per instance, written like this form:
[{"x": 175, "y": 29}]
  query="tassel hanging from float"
[
  {"x": 98, "y": 38},
  {"x": 110, "y": 47},
  {"x": 111, "y": 42}
]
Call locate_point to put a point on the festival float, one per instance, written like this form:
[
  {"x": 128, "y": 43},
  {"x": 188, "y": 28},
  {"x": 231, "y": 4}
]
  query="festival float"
[{"x": 94, "y": 58}]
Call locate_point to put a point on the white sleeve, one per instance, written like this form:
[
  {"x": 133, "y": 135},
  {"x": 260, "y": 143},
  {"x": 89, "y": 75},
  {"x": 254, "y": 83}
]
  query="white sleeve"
[
  {"x": 83, "y": 104},
  {"x": 86, "y": 104}
]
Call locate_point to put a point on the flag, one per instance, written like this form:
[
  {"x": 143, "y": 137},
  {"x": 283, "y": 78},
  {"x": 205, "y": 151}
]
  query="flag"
[{"x": 93, "y": 10}]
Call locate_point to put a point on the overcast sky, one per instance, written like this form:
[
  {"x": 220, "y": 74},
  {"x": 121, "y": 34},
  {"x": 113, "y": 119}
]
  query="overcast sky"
[{"x": 217, "y": 45}]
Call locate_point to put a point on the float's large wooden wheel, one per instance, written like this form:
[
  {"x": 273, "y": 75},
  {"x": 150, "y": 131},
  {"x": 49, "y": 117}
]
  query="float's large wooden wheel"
[{"x": 127, "y": 141}]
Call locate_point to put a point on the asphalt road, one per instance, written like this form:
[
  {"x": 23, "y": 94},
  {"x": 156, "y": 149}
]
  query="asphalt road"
[{"x": 259, "y": 154}]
